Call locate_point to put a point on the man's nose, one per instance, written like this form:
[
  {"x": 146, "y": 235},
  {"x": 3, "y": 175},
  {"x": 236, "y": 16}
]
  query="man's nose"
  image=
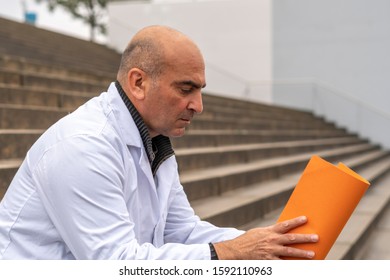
[{"x": 196, "y": 103}]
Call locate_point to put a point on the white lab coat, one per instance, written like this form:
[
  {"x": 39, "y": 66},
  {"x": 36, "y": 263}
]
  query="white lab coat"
[{"x": 86, "y": 191}]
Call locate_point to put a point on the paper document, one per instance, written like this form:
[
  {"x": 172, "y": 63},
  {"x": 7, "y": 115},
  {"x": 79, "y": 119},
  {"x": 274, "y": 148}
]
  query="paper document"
[{"x": 327, "y": 195}]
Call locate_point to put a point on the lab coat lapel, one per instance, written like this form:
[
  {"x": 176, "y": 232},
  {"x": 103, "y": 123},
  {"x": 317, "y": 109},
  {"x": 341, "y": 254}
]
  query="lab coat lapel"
[
  {"x": 165, "y": 178},
  {"x": 154, "y": 191},
  {"x": 147, "y": 170},
  {"x": 130, "y": 133}
]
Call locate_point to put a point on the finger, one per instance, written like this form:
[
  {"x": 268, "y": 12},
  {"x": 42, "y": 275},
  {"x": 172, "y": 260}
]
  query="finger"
[
  {"x": 294, "y": 238},
  {"x": 288, "y": 225},
  {"x": 292, "y": 252}
]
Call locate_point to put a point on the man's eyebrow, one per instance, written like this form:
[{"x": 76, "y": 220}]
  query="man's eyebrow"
[{"x": 189, "y": 83}]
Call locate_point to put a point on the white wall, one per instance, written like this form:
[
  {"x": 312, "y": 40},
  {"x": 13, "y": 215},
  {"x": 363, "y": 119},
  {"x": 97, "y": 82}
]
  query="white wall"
[
  {"x": 310, "y": 54},
  {"x": 338, "y": 107},
  {"x": 234, "y": 36},
  {"x": 342, "y": 48},
  {"x": 344, "y": 43}
]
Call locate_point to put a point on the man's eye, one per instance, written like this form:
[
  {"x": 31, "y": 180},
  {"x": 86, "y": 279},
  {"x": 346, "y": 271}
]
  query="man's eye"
[{"x": 187, "y": 90}]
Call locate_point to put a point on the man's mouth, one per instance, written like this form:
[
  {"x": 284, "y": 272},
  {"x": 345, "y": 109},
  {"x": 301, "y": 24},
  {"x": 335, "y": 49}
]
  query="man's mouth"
[{"x": 186, "y": 120}]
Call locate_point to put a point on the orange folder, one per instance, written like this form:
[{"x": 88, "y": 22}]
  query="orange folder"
[{"x": 327, "y": 195}]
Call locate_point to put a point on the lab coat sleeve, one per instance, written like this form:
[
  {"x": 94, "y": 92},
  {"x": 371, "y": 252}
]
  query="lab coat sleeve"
[
  {"x": 184, "y": 226},
  {"x": 80, "y": 183}
]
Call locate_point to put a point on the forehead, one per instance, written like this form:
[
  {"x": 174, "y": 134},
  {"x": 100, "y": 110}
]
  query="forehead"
[
  {"x": 187, "y": 69},
  {"x": 183, "y": 60}
]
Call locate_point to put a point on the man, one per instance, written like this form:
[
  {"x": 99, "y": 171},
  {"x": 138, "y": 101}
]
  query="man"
[{"x": 102, "y": 183}]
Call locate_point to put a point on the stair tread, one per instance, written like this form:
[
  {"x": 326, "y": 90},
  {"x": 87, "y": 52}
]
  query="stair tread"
[
  {"x": 21, "y": 131},
  {"x": 52, "y": 76},
  {"x": 371, "y": 205},
  {"x": 10, "y": 163},
  {"x": 267, "y": 145},
  {"x": 24, "y": 63},
  {"x": 33, "y": 107},
  {"x": 221, "y": 171},
  {"x": 211, "y": 206},
  {"x": 44, "y": 90}
]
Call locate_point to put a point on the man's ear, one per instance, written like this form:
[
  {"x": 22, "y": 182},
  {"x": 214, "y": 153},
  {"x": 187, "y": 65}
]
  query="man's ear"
[{"x": 136, "y": 80}]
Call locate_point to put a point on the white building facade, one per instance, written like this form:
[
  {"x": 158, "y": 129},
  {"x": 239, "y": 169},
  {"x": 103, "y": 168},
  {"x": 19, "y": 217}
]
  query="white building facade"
[{"x": 326, "y": 56}]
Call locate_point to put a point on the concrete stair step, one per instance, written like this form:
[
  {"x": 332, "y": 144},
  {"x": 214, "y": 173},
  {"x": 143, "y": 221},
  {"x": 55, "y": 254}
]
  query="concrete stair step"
[
  {"x": 29, "y": 117},
  {"x": 260, "y": 204},
  {"x": 10, "y": 77},
  {"x": 215, "y": 181},
  {"x": 72, "y": 60},
  {"x": 376, "y": 245},
  {"x": 231, "y": 109},
  {"x": 204, "y": 157},
  {"x": 8, "y": 168},
  {"x": 17, "y": 69},
  {"x": 18, "y": 38},
  {"x": 58, "y": 58},
  {"x": 213, "y": 110},
  {"x": 244, "y": 105},
  {"x": 17, "y": 116},
  {"x": 14, "y": 143},
  {"x": 246, "y": 204},
  {"x": 28, "y": 65},
  {"x": 195, "y": 185},
  {"x": 15, "y": 94},
  {"x": 256, "y": 116},
  {"x": 364, "y": 163},
  {"x": 200, "y": 123},
  {"x": 214, "y": 138},
  {"x": 34, "y": 80},
  {"x": 242, "y": 206},
  {"x": 351, "y": 243}
]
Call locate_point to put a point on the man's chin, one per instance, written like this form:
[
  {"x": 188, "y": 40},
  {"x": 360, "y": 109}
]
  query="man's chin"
[{"x": 177, "y": 133}]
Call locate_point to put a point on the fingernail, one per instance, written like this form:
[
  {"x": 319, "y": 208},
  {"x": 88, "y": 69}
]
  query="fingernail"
[
  {"x": 310, "y": 254},
  {"x": 303, "y": 219},
  {"x": 314, "y": 237}
]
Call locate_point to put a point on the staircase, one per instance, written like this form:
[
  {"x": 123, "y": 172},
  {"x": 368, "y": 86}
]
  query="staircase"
[{"x": 239, "y": 161}]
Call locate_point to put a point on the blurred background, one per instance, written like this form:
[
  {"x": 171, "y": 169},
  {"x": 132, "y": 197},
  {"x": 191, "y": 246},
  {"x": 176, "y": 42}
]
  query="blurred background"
[
  {"x": 285, "y": 79},
  {"x": 326, "y": 56}
]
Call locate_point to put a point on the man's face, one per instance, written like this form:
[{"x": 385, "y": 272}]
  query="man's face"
[{"x": 174, "y": 98}]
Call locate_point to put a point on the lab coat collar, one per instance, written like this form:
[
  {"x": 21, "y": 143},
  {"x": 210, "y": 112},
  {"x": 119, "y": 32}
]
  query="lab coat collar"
[
  {"x": 139, "y": 122},
  {"x": 126, "y": 124}
]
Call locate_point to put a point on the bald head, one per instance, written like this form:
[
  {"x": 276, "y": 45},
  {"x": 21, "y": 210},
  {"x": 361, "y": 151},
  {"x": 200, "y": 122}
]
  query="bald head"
[
  {"x": 153, "y": 49},
  {"x": 162, "y": 72}
]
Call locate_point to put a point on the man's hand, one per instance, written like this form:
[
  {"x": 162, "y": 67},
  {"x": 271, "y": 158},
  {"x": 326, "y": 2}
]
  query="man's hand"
[{"x": 267, "y": 243}]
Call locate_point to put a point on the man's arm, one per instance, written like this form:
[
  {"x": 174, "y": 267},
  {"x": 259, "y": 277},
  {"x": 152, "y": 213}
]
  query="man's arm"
[
  {"x": 81, "y": 185},
  {"x": 260, "y": 243}
]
